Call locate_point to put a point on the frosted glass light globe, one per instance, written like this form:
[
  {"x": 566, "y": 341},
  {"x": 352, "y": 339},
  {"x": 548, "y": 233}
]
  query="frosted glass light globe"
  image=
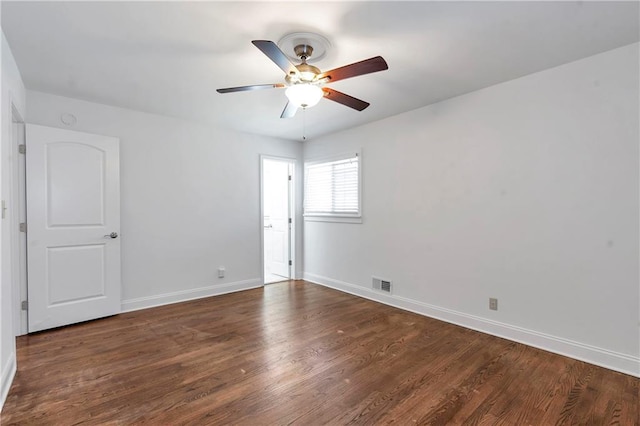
[{"x": 304, "y": 95}]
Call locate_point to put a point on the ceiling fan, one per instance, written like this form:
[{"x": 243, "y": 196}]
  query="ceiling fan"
[{"x": 305, "y": 83}]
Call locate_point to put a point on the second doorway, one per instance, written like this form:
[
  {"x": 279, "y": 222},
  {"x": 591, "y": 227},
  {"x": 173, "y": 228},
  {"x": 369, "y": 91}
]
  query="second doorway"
[{"x": 277, "y": 205}]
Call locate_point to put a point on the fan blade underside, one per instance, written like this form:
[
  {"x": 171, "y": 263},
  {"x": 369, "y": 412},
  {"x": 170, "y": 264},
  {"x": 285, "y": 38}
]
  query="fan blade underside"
[
  {"x": 353, "y": 70},
  {"x": 274, "y": 53},
  {"x": 344, "y": 99},
  {"x": 289, "y": 110},
  {"x": 253, "y": 87}
]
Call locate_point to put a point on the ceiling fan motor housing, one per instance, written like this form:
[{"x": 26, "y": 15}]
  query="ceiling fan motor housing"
[{"x": 308, "y": 74}]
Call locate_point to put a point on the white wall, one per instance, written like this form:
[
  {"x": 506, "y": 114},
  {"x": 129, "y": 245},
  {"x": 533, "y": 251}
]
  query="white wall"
[
  {"x": 12, "y": 96},
  {"x": 190, "y": 199},
  {"x": 526, "y": 191}
]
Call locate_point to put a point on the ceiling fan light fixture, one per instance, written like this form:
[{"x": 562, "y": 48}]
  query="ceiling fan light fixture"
[{"x": 304, "y": 95}]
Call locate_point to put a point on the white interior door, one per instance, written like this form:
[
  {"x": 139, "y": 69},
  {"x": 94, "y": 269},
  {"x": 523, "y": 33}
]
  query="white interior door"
[
  {"x": 73, "y": 219},
  {"x": 276, "y": 214}
]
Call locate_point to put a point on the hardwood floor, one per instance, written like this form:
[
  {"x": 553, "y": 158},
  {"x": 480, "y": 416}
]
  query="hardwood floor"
[{"x": 299, "y": 353}]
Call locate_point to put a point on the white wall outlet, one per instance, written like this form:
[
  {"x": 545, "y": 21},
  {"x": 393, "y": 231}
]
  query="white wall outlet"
[
  {"x": 493, "y": 304},
  {"x": 221, "y": 272}
]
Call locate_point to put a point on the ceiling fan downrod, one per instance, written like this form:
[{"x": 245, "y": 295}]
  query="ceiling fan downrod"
[{"x": 303, "y": 51}]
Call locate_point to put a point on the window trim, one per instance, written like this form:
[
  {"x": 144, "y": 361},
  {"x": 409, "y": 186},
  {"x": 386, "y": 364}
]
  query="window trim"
[{"x": 335, "y": 217}]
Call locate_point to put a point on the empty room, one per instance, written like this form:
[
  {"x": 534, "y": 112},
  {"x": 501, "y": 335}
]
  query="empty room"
[{"x": 265, "y": 213}]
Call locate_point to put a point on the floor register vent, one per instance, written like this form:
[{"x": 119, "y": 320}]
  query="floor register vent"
[{"x": 381, "y": 285}]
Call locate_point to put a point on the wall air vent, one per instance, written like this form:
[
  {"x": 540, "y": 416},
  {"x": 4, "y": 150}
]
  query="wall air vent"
[{"x": 381, "y": 285}]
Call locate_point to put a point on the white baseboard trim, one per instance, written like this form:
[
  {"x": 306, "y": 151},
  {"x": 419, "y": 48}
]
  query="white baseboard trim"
[
  {"x": 602, "y": 357},
  {"x": 136, "y": 304},
  {"x": 8, "y": 374}
]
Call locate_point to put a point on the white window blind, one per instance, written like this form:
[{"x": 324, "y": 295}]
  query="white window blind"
[{"x": 332, "y": 188}]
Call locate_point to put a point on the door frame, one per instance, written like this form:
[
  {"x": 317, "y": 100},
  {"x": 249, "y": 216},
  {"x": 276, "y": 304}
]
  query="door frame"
[
  {"x": 16, "y": 208},
  {"x": 292, "y": 209}
]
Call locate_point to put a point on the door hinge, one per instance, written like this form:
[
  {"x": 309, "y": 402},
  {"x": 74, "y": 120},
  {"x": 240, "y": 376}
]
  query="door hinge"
[
  {"x": 289, "y": 177},
  {"x": 23, "y": 227},
  {"x": 289, "y": 220},
  {"x": 25, "y": 305},
  {"x": 22, "y": 149},
  {"x": 290, "y": 263}
]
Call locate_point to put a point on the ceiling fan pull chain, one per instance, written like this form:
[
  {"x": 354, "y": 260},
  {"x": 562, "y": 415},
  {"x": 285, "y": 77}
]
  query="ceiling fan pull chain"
[{"x": 304, "y": 124}]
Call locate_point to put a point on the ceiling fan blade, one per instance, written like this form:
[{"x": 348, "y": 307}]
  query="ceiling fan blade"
[
  {"x": 254, "y": 87},
  {"x": 344, "y": 99},
  {"x": 274, "y": 53},
  {"x": 353, "y": 70},
  {"x": 289, "y": 110}
]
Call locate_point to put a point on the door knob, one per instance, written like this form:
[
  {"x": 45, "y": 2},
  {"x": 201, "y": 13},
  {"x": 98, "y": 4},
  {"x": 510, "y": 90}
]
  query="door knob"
[{"x": 112, "y": 235}]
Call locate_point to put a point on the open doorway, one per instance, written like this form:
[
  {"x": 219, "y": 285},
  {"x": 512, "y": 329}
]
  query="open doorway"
[{"x": 277, "y": 219}]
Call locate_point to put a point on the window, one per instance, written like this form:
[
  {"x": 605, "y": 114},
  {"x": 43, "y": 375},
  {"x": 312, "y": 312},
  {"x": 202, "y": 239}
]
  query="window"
[{"x": 332, "y": 188}]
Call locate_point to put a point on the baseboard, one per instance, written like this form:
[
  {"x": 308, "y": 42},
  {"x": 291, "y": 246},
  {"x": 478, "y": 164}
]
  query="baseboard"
[
  {"x": 191, "y": 294},
  {"x": 602, "y": 357},
  {"x": 8, "y": 373}
]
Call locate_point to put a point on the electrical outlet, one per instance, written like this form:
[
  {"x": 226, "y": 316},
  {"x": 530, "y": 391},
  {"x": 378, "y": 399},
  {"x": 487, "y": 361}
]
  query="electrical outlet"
[
  {"x": 221, "y": 272},
  {"x": 493, "y": 304}
]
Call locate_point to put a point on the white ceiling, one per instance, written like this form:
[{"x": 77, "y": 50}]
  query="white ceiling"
[{"x": 169, "y": 57}]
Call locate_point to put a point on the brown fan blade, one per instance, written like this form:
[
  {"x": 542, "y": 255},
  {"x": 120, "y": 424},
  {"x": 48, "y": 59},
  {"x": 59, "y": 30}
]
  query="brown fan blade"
[
  {"x": 254, "y": 87},
  {"x": 274, "y": 53},
  {"x": 289, "y": 110},
  {"x": 353, "y": 70},
  {"x": 344, "y": 99}
]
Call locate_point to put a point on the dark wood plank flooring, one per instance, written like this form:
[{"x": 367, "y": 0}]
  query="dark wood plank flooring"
[{"x": 298, "y": 353}]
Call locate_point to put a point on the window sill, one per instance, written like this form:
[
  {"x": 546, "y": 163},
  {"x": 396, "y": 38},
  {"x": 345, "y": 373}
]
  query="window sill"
[{"x": 339, "y": 219}]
